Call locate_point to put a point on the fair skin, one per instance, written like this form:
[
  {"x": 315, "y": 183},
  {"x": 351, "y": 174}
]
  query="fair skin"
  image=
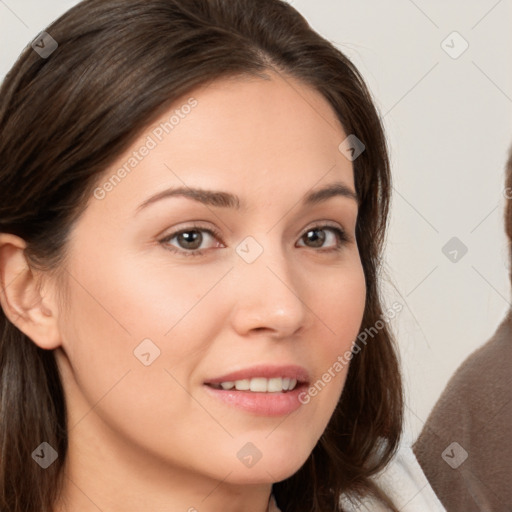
[{"x": 152, "y": 437}]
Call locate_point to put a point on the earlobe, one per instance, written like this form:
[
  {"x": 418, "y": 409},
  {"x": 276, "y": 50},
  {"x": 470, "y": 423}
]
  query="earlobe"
[{"x": 21, "y": 297}]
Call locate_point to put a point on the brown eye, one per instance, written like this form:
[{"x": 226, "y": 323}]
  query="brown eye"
[
  {"x": 191, "y": 239},
  {"x": 316, "y": 237},
  {"x": 187, "y": 242}
]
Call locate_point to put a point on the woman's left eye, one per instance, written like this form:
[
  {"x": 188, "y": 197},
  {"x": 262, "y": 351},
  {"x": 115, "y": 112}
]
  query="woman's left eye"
[
  {"x": 340, "y": 237},
  {"x": 189, "y": 240}
]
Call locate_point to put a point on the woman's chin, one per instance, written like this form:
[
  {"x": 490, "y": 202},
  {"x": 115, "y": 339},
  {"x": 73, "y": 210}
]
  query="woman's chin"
[{"x": 268, "y": 471}]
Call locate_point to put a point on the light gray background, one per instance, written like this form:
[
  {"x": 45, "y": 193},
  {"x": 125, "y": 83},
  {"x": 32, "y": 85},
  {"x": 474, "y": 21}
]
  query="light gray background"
[{"x": 449, "y": 130}]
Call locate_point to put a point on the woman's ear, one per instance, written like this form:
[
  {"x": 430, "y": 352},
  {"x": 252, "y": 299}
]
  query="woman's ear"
[{"x": 22, "y": 297}]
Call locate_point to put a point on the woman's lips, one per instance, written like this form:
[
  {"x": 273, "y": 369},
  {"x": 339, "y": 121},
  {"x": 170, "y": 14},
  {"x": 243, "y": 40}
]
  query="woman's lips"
[{"x": 261, "y": 403}]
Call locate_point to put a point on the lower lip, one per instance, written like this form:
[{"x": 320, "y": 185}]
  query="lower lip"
[{"x": 264, "y": 404}]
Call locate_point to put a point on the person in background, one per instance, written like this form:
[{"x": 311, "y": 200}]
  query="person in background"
[{"x": 465, "y": 448}]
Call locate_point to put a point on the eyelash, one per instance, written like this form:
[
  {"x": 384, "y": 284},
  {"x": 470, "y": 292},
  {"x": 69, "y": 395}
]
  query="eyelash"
[{"x": 341, "y": 235}]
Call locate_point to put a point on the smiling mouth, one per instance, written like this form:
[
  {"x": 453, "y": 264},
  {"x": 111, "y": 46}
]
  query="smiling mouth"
[{"x": 259, "y": 385}]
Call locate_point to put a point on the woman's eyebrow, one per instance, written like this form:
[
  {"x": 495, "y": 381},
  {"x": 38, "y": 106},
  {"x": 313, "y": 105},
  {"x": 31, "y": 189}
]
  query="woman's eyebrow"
[{"x": 228, "y": 200}]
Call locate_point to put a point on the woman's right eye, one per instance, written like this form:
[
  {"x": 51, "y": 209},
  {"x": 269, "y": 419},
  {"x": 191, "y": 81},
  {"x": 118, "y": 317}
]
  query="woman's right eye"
[{"x": 189, "y": 239}]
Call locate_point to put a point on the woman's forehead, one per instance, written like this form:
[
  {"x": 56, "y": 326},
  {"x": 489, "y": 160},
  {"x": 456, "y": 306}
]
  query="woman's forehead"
[{"x": 256, "y": 137}]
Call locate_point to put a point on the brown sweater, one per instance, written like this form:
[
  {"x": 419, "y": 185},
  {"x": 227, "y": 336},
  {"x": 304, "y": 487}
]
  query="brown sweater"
[{"x": 465, "y": 448}]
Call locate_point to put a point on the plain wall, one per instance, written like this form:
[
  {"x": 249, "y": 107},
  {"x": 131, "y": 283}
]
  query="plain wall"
[{"x": 449, "y": 130}]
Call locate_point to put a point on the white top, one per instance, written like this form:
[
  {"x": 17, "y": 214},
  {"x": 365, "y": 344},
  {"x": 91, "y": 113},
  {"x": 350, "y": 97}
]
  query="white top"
[{"x": 405, "y": 483}]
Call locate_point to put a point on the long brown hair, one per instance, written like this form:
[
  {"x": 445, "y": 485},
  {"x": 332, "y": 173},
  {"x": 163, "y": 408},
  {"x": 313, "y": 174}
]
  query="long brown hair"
[{"x": 65, "y": 117}]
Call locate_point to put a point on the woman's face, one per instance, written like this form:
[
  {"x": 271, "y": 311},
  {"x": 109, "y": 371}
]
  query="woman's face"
[{"x": 167, "y": 296}]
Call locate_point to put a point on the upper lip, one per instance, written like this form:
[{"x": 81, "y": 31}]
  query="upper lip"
[{"x": 267, "y": 371}]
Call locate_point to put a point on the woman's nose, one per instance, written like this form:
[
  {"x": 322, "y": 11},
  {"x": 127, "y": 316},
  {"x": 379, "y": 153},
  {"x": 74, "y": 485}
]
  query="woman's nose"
[{"x": 270, "y": 294}]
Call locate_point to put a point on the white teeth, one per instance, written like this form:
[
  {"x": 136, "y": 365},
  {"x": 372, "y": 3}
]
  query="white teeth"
[
  {"x": 275, "y": 384},
  {"x": 260, "y": 385},
  {"x": 242, "y": 385}
]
